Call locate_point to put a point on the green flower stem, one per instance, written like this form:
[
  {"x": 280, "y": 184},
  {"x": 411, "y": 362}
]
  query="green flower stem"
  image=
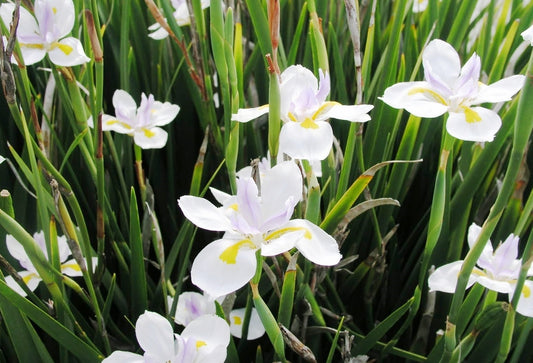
[
  {"x": 438, "y": 205},
  {"x": 523, "y": 127},
  {"x": 139, "y": 172}
]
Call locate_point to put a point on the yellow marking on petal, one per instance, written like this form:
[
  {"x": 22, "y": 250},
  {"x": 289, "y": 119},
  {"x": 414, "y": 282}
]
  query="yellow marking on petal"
[
  {"x": 148, "y": 133},
  {"x": 471, "y": 116},
  {"x": 67, "y": 49},
  {"x": 237, "y": 320},
  {"x": 32, "y": 45},
  {"x": 112, "y": 122},
  {"x": 309, "y": 123},
  {"x": 278, "y": 233},
  {"x": 234, "y": 206},
  {"x": 477, "y": 272},
  {"x": 327, "y": 104},
  {"x": 73, "y": 266},
  {"x": 27, "y": 278},
  {"x": 428, "y": 92},
  {"x": 200, "y": 343},
  {"x": 526, "y": 291},
  {"x": 54, "y": 10},
  {"x": 292, "y": 117},
  {"x": 229, "y": 255}
]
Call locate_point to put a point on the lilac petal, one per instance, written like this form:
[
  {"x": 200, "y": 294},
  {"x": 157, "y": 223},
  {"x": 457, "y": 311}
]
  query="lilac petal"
[
  {"x": 249, "y": 205},
  {"x": 324, "y": 86},
  {"x": 442, "y": 62},
  {"x": 505, "y": 263},
  {"x": 55, "y": 17},
  {"x": 125, "y": 107}
]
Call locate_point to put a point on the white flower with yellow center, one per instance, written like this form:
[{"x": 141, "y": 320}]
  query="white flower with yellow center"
[
  {"x": 450, "y": 88},
  {"x": 306, "y": 134},
  {"x": 255, "y": 326},
  {"x": 30, "y": 275},
  {"x": 254, "y": 220},
  {"x": 205, "y": 339},
  {"x": 46, "y": 33},
  {"x": 497, "y": 270},
  {"x": 141, "y": 123}
]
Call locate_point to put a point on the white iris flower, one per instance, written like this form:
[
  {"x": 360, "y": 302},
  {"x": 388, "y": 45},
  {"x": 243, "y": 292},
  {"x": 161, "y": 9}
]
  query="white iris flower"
[
  {"x": 254, "y": 220},
  {"x": 306, "y": 134},
  {"x": 181, "y": 15},
  {"x": 450, "y": 88},
  {"x": 497, "y": 270},
  {"x": 46, "y": 33}
]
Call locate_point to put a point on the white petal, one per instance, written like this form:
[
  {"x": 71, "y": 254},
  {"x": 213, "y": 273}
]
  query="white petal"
[
  {"x": 68, "y": 52},
  {"x": 495, "y": 285},
  {"x": 2, "y": 159},
  {"x": 209, "y": 329},
  {"x": 353, "y": 113},
  {"x": 63, "y": 248},
  {"x": 125, "y": 106},
  {"x": 192, "y": 305},
  {"x": 441, "y": 60},
  {"x": 71, "y": 268},
  {"x": 445, "y": 277},
  {"x": 15, "y": 249},
  {"x": 111, "y": 123},
  {"x": 500, "y": 91},
  {"x": 316, "y": 245},
  {"x": 417, "y": 98},
  {"x": 157, "y": 32},
  {"x": 220, "y": 196},
  {"x": 55, "y": 17},
  {"x": 306, "y": 143},
  {"x": 150, "y": 138},
  {"x": 255, "y": 326},
  {"x": 30, "y": 278},
  {"x": 528, "y": 34},
  {"x": 119, "y": 356},
  {"x": 525, "y": 304},
  {"x": 281, "y": 240},
  {"x": 248, "y": 114},
  {"x": 224, "y": 266},
  {"x": 155, "y": 335},
  {"x": 163, "y": 113},
  {"x": 27, "y": 30},
  {"x": 481, "y": 124},
  {"x": 32, "y": 55},
  {"x": 203, "y": 213}
]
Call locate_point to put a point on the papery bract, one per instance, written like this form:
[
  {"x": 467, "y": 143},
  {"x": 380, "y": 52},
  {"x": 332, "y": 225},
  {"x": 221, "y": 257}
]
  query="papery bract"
[
  {"x": 181, "y": 15},
  {"x": 306, "y": 134},
  {"x": 141, "y": 123},
  {"x": 205, "y": 339},
  {"x": 497, "y": 270},
  {"x": 30, "y": 275},
  {"x": 254, "y": 219},
  {"x": 448, "y": 88},
  {"x": 46, "y": 33}
]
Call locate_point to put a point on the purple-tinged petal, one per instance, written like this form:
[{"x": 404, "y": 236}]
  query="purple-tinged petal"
[
  {"x": 441, "y": 61},
  {"x": 192, "y": 305},
  {"x": 324, "y": 86},
  {"x": 505, "y": 264},
  {"x": 125, "y": 107},
  {"x": 55, "y": 18}
]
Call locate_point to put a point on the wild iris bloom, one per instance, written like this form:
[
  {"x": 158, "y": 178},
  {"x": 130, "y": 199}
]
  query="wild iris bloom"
[
  {"x": 450, "y": 88},
  {"x": 256, "y": 218},
  {"x": 498, "y": 270},
  {"x": 30, "y": 275},
  {"x": 47, "y": 32},
  {"x": 528, "y": 34},
  {"x": 203, "y": 340},
  {"x": 192, "y": 305},
  {"x": 306, "y": 134},
  {"x": 141, "y": 123},
  {"x": 181, "y": 15}
]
